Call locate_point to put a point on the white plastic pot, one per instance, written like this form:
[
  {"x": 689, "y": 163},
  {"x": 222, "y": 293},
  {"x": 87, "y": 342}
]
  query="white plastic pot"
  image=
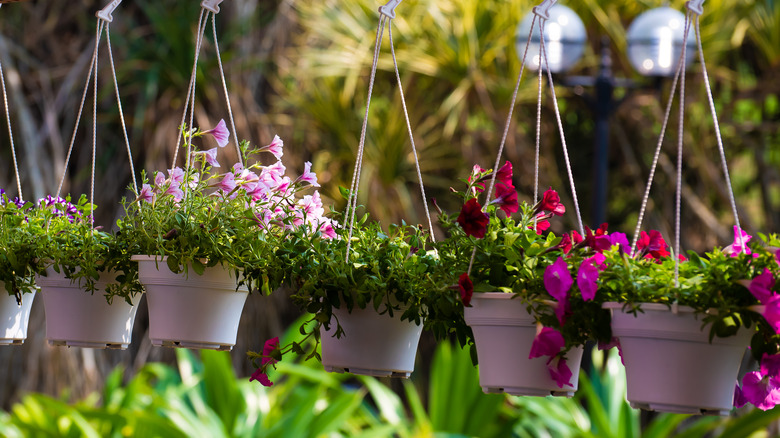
[
  {"x": 503, "y": 333},
  {"x": 371, "y": 345},
  {"x": 191, "y": 311},
  {"x": 77, "y": 318},
  {"x": 670, "y": 364},
  {"x": 14, "y": 318}
]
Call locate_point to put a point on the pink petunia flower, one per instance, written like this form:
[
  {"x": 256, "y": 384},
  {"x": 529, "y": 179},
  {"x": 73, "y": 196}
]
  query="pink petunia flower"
[
  {"x": 620, "y": 240},
  {"x": 770, "y": 365},
  {"x": 587, "y": 278},
  {"x": 761, "y": 286},
  {"x": 228, "y": 183},
  {"x": 176, "y": 175},
  {"x": 557, "y": 279},
  {"x": 504, "y": 175},
  {"x": 308, "y": 176},
  {"x": 506, "y": 198},
  {"x": 210, "y": 156},
  {"x": 260, "y": 376},
  {"x": 559, "y": 371},
  {"x": 652, "y": 244},
  {"x": 739, "y": 247},
  {"x": 548, "y": 342},
  {"x": 146, "y": 194},
  {"x": 159, "y": 179},
  {"x": 220, "y": 133},
  {"x": 275, "y": 147},
  {"x": 760, "y": 390}
]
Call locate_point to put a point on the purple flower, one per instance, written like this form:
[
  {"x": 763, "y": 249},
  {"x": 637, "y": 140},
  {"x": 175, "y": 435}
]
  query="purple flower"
[
  {"x": 587, "y": 279},
  {"x": 308, "y": 176},
  {"x": 176, "y": 175},
  {"x": 159, "y": 179},
  {"x": 548, "y": 342},
  {"x": 60, "y": 207},
  {"x": 559, "y": 371},
  {"x": 175, "y": 191},
  {"x": 620, "y": 239},
  {"x": 761, "y": 286},
  {"x": 760, "y": 390},
  {"x": 260, "y": 376},
  {"x": 275, "y": 147},
  {"x": 146, "y": 194},
  {"x": 770, "y": 365},
  {"x": 770, "y": 310},
  {"x": 220, "y": 133},
  {"x": 562, "y": 311},
  {"x": 211, "y": 157},
  {"x": 557, "y": 279},
  {"x": 228, "y": 183},
  {"x": 270, "y": 350}
]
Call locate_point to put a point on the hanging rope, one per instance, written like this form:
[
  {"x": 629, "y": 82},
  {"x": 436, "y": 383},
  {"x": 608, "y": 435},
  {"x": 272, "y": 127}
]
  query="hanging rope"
[
  {"x": 11, "y": 136},
  {"x": 387, "y": 14},
  {"x": 540, "y": 13},
  {"x": 694, "y": 12},
  {"x": 209, "y": 9},
  {"x": 121, "y": 113}
]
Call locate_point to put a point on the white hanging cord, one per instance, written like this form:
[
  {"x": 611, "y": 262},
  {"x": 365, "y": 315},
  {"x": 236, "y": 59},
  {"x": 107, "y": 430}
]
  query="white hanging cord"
[
  {"x": 538, "y": 128},
  {"x": 506, "y": 125},
  {"x": 411, "y": 137},
  {"x": 121, "y": 113},
  {"x": 93, "y": 65},
  {"x": 717, "y": 135},
  {"x": 353, "y": 188},
  {"x": 678, "y": 191},
  {"x": 190, "y": 88},
  {"x": 191, "y": 122},
  {"x": 224, "y": 87},
  {"x": 11, "y": 136},
  {"x": 656, "y": 156},
  {"x": 560, "y": 131},
  {"x": 94, "y": 134}
]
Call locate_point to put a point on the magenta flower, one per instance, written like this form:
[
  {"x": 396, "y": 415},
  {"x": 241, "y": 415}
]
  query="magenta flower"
[
  {"x": 473, "y": 220},
  {"x": 228, "y": 183},
  {"x": 327, "y": 230},
  {"x": 760, "y": 390},
  {"x": 504, "y": 175},
  {"x": 557, "y": 279},
  {"x": 551, "y": 202},
  {"x": 737, "y": 247},
  {"x": 559, "y": 371},
  {"x": 260, "y": 376},
  {"x": 308, "y": 176},
  {"x": 174, "y": 190},
  {"x": 220, "y": 133},
  {"x": 475, "y": 172},
  {"x": 562, "y": 310},
  {"x": 620, "y": 239},
  {"x": 506, "y": 198},
  {"x": 466, "y": 289},
  {"x": 146, "y": 194},
  {"x": 761, "y": 286},
  {"x": 770, "y": 365},
  {"x": 275, "y": 147},
  {"x": 587, "y": 278},
  {"x": 548, "y": 342}
]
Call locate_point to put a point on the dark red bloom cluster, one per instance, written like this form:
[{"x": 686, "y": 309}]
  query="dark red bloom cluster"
[
  {"x": 652, "y": 245},
  {"x": 472, "y": 219},
  {"x": 466, "y": 289}
]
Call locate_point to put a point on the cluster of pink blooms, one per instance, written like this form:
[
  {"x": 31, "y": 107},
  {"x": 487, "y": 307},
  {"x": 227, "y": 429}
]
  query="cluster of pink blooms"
[
  {"x": 270, "y": 193},
  {"x": 762, "y": 387}
]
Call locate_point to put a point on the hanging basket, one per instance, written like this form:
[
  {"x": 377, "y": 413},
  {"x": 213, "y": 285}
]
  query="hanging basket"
[
  {"x": 670, "y": 364},
  {"x": 503, "y": 333},
  {"x": 77, "y": 318},
  {"x": 14, "y": 318},
  {"x": 372, "y": 344},
  {"x": 191, "y": 311}
]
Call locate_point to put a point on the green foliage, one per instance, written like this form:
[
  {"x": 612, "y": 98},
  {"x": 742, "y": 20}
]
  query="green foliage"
[
  {"x": 19, "y": 234},
  {"x": 391, "y": 272}
]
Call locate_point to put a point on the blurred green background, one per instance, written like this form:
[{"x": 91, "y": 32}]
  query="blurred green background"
[{"x": 299, "y": 69}]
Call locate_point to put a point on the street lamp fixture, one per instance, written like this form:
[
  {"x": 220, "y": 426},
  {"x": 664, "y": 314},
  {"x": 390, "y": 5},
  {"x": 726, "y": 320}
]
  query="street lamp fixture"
[
  {"x": 564, "y": 39},
  {"x": 655, "y": 40}
]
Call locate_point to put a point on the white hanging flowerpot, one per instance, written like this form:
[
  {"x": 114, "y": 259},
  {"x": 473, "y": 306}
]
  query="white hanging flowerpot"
[
  {"x": 191, "y": 310},
  {"x": 77, "y": 318},
  {"x": 371, "y": 345},
  {"x": 503, "y": 333},
  {"x": 14, "y": 318},
  {"x": 671, "y": 365}
]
